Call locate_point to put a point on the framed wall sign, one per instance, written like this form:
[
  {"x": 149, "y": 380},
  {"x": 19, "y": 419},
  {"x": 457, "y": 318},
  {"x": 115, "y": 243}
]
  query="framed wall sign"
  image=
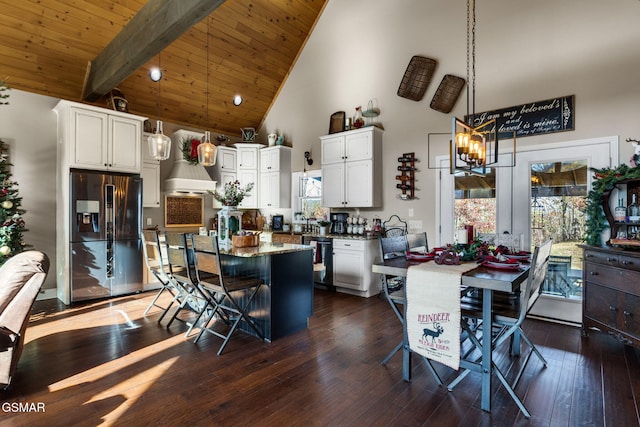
[{"x": 183, "y": 211}]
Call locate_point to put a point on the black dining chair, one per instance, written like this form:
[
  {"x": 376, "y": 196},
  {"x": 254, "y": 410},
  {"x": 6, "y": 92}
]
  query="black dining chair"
[
  {"x": 417, "y": 242},
  {"x": 393, "y": 288},
  {"x": 229, "y": 296},
  {"x": 509, "y": 311}
]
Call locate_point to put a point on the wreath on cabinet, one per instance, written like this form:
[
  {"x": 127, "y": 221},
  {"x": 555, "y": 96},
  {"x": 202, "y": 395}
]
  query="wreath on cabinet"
[{"x": 605, "y": 179}]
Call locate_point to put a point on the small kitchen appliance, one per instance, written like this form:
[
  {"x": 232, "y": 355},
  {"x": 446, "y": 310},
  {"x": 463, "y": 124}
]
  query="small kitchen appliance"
[{"x": 338, "y": 222}]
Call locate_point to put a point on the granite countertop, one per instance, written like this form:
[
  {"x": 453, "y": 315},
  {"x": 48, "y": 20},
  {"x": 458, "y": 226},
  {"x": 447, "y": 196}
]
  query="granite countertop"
[
  {"x": 331, "y": 236},
  {"x": 341, "y": 236},
  {"x": 265, "y": 249}
]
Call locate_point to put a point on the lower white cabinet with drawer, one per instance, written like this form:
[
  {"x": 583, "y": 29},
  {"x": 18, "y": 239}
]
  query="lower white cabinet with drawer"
[{"x": 352, "y": 261}]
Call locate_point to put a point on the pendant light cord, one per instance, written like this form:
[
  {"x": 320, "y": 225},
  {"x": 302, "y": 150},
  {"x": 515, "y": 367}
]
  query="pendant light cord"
[
  {"x": 159, "y": 86},
  {"x": 207, "y": 93},
  {"x": 471, "y": 61}
]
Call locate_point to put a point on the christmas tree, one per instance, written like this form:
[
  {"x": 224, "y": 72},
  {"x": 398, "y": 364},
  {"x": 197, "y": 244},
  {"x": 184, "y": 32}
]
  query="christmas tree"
[{"x": 11, "y": 222}]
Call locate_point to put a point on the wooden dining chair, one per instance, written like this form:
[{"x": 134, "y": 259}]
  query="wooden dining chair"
[
  {"x": 509, "y": 311},
  {"x": 153, "y": 256},
  {"x": 229, "y": 296}
]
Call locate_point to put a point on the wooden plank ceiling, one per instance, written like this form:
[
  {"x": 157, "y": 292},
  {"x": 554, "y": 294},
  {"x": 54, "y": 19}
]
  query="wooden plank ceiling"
[{"x": 45, "y": 46}]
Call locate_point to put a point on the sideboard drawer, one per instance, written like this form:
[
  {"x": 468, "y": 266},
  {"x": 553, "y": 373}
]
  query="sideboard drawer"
[
  {"x": 616, "y": 278},
  {"x": 629, "y": 262},
  {"x": 602, "y": 258}
]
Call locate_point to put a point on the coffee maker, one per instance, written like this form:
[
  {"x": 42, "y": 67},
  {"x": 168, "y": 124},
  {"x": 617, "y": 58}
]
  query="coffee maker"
[{"x": 338, "y": 222}]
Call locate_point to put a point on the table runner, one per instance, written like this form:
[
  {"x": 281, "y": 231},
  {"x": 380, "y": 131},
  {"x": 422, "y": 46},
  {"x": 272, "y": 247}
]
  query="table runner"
[{"x": 433, "y": 310}]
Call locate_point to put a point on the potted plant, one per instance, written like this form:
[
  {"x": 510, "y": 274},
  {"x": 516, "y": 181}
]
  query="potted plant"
[
  {"x": 324, "y": 227},
  {"x": 233, "y": 193}
]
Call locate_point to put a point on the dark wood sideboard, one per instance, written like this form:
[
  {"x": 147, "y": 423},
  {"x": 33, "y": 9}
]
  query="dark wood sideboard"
[{"x": 611, "y": 294}]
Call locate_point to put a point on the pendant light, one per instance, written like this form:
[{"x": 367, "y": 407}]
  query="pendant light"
[
  {"x": 159, "y": 143},
  {"x": 207, "y": 152},
  {"x": 472, "y": 149}
]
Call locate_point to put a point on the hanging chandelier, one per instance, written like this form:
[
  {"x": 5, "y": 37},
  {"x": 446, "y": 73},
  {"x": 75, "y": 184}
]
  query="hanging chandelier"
[
  {"x": 159, "y": 144},
  {"x": 207, "y": 152},
  {"x": 472, "y": 149}
]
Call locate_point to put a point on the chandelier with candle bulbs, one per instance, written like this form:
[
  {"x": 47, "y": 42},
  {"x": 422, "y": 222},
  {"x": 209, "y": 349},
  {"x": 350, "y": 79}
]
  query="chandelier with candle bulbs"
[{"x": 473, "y": 148}]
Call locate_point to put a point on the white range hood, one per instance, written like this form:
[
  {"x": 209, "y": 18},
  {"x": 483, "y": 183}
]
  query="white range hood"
[{"x": 185, "y": 177}]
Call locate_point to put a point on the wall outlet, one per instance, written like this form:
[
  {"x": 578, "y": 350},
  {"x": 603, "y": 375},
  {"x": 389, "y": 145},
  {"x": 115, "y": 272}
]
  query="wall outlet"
[
  {"x": 149, "y": 222},
  {"x": 410, "y": 213}
]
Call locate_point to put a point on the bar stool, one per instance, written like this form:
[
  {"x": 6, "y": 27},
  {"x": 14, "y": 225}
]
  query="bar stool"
[{"x": 224, "y": 291}]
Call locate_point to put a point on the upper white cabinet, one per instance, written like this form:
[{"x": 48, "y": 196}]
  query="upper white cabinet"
[
  {"x": 247, "y": 170},
  {"x": 226, "y": 159},
  {"x": 150, "y": 176},
  {"x": 352, "y": 168},
  {"x": 275, "y": 177},
  {"x": 99, "y": 139},
  {"x": 248, "y": 156},
  {"x": 224, "y": 171}
]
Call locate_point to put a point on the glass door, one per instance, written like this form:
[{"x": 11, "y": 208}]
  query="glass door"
[
  {"x": 557, "y": 211},
  {"x": 553, "y": 183}
]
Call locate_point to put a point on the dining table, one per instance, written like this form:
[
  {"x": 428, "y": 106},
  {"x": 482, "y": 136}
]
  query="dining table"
[{"x": 482, "y": 277}]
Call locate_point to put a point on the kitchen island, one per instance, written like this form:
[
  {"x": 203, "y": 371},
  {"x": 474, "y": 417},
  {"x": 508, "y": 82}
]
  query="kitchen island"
[{"x": 283, "y": 306}]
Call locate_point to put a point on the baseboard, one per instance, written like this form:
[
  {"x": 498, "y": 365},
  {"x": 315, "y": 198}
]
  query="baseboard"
[{"x": 47, "y": 294}]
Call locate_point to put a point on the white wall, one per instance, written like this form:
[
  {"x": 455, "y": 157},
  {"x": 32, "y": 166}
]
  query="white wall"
[
  {"x": 526, "y": 51},
  {"x": 28, "y": 125}
]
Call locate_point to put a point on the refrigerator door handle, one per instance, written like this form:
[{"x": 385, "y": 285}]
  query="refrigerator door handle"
[{"x": 109, "y": 215}]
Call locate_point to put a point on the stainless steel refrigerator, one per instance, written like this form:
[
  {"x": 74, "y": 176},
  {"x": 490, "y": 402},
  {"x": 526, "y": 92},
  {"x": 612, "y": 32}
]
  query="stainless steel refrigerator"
[{"x": 106, "y": 257}]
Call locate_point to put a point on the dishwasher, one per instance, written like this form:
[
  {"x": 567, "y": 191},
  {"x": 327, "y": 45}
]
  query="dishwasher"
[{"x": 322, "y": 260}]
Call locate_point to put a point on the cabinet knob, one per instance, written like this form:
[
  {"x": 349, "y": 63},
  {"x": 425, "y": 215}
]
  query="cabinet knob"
[
  {"x": 627, "y": 313},
  {"x": 611, "y": 260},
  {"x": 612, "y": 308},
  {"x": 589, "y": 256},
  {"x": 626, "y": 262},
  {"x": 593, "y": 273}
]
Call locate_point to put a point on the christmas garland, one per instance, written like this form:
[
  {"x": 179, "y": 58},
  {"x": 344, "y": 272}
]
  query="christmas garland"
[
  {"x": 605, "y": 179},
  {"x": 190, "y": 150}
]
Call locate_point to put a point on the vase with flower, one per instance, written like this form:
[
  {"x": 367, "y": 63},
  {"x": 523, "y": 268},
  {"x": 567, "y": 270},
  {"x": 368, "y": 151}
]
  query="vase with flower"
[{"x": 229, "y": 217}]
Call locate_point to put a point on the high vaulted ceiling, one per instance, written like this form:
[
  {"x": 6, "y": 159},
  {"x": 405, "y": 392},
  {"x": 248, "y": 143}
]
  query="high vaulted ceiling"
[{"x": 46, "y": 45}]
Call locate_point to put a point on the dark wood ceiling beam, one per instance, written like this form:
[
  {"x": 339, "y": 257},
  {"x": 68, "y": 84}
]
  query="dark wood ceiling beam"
[{"x": 153, "y": 28}]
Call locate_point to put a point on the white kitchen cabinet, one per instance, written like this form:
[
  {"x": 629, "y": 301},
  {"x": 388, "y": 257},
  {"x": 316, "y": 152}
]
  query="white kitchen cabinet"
[
  {"x": 247, "y": 170},
  {"x": 275, "y": 177},
  {"x": 99, "y": 139},
  {"x": 352, "y": 259},
  {"x": 248, "y": 155},
  {"x": 226, "y": 159},
  {"x": 150, "y": 185},
  {"x": 150, "y": 176},
  {"x": 245, "y": 177},
  {"x": 224, "y": 171},
  {"x": 352, "y": 168}
]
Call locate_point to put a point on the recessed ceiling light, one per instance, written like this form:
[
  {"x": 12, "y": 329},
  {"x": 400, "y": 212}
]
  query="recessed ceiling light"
[
  {"x": 237, "y": 100},
  {"x": 155, "y": 74}
]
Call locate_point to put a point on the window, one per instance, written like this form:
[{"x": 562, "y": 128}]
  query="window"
[{"x": 475, "y": 202}]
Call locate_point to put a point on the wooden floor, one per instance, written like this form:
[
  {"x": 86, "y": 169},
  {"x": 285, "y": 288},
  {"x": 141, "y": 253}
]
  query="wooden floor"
[{"x": 104, "y": 363}]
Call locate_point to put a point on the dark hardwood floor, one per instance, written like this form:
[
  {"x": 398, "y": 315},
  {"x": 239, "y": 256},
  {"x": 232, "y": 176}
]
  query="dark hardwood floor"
[{"x": 104, "y": 363}]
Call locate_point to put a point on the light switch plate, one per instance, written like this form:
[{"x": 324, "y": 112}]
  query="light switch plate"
[{"x": 415, "y": 224}]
